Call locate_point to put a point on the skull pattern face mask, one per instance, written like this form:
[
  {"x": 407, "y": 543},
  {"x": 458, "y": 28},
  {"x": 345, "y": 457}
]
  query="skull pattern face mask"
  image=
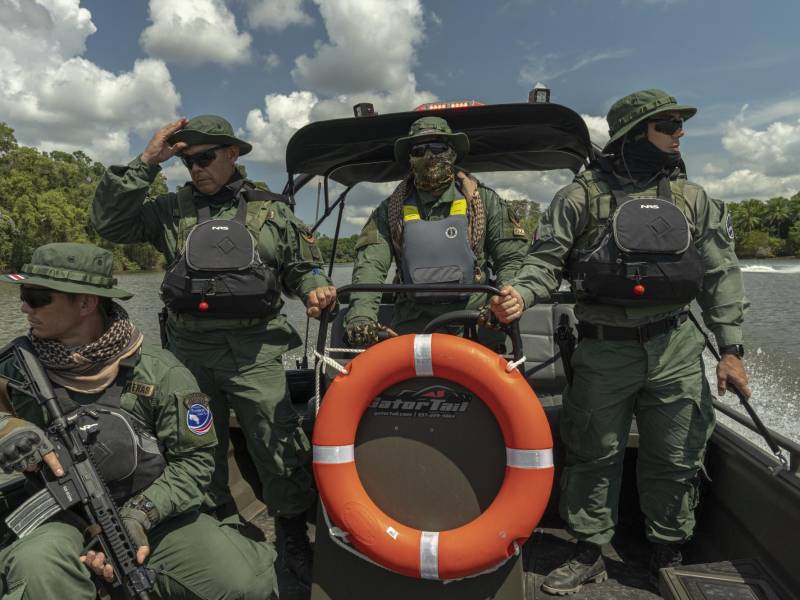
[{"x": 434, "y": 172}]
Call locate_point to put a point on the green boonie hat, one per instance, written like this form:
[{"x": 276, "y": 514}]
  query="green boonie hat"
[
  {"x": 430, "y": 128},
  {"x": 71, "y": 268},
  {"x": 628, "y": 112},
  {"x": 209, "y": 129}
]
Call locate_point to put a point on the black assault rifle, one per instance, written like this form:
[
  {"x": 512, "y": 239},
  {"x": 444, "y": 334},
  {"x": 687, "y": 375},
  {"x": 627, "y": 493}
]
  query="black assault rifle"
[{"x": 81, "y": 486}]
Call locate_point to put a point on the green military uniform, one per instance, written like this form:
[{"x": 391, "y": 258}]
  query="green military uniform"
[
  {"x": 503, "y": 239},
  {"x": 193, "y": 554},
  {"x": 237, "y": 362},
  {"x": 661, "y": 379}
]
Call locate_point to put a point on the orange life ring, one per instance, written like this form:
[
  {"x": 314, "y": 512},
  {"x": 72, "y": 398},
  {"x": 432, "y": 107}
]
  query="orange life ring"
[{"x": 489, "y": 539}]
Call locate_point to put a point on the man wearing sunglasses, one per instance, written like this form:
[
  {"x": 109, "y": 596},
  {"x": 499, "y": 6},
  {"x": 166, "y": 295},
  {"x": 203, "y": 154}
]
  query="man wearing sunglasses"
[
  {"x": 134, "y": 402},
  {"x": 440, "y": 226},
  {"x": 639, "y": 242},
  {"x": 236, "y": 359}
]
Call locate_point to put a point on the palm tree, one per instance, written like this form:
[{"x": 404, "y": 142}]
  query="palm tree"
[
  {"x": 778, "y": 216},
  {"x": 747, "y": 214}
]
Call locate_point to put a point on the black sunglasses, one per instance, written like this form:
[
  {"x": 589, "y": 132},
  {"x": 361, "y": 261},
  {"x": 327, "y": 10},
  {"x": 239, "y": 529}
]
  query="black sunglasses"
[
  {"x": 35, "y": 297},
  {"x": 433, "y": 147},
  {"x": 668, "y": 126},
  {"x": 201, "y": 159}
]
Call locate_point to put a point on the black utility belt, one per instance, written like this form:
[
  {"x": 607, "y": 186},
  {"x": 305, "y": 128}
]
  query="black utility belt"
[{"x": 628, "y": 334}]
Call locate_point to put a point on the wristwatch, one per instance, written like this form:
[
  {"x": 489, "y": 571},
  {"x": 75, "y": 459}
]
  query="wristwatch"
[
  {"x": 735, "y": 349},
  {"x": 143, "y": 504}
]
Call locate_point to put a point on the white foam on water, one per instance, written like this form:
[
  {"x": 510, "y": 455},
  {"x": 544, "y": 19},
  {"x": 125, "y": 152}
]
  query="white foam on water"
[
  {"x": 788, "y": 270},
  {"x": 775, "y": 398}
]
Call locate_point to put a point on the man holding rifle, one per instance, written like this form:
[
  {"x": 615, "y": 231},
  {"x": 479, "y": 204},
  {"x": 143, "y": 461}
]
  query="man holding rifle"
[{"x": 149, "y": 432}]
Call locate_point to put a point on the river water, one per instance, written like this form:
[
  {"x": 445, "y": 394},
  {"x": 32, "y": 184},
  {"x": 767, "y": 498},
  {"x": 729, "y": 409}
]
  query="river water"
[{"x": 772, "y": 332}]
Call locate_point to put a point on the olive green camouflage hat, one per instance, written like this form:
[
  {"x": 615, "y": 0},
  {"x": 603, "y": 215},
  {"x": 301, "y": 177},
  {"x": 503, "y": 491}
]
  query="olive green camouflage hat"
[
  {"x": 209, "y": 129},
  {"x": 628, "y": 112},
  {"x": 426, "y": 129},
  {"x": 71, "y": 268}
]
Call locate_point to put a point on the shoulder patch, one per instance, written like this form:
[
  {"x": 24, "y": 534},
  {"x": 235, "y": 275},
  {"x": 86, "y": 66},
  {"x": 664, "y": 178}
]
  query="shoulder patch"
[
  {"x": 199, "y": 419},
  {"x": 146, "y": 390},
  {"x": 729, "y": 225}
]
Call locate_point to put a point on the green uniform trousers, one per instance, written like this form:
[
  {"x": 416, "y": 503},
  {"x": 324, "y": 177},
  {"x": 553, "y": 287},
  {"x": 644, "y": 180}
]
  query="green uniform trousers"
[
  {"x": 280, "y": 449},
  {"x": 194, "y": 556},
  {"x": 661, "y": 381}
]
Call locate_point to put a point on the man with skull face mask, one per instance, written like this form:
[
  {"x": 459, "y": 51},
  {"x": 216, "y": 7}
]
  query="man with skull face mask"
[{"x": 440, "y": 225}]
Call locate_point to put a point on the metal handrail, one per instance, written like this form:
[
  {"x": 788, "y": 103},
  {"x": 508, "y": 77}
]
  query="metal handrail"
[{"x": 792, "y": 447}]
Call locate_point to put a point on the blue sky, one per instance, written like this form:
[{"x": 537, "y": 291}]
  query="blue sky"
[{"x": 101, "y": 75}]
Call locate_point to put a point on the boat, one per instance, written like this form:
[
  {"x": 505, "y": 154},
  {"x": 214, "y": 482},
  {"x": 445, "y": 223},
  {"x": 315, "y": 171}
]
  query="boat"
[{"x": 437, "y": 472}]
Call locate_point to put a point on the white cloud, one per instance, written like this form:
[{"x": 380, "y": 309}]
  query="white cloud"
[
  {"x": 527, "y": 185},
  {"x": 371, "y": 47},
  {"x": 55, "y": 99},
  {"x": 175, "y": 173},
  {"x": 276, "y": 15},
  {"x": 271, "y": 61},
  {"x": 194, "y": 32},
  {"x": 269, "y": 130},
  {"x": 435, "y": 19},
  {"x": 746, "y": 183},
  {"x": 598, "y": 129},
  {"x": 369, "y": 58},
  {"x": 775, "y": 151},
  {"x": 550, "y": 66}
]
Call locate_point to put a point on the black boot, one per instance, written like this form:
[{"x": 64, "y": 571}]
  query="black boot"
[
  {"x": 294, "y": 548},
  {"x": 663, "y": 557},
  {"x": 584, "y": 566}
]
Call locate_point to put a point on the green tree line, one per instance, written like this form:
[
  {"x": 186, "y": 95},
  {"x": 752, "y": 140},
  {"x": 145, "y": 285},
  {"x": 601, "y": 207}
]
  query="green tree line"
[
  {"x": 767, "y": 228},
  {"x": 45, "y": 197}
]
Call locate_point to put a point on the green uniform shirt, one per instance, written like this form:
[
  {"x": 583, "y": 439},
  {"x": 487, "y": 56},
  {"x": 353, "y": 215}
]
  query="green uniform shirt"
[
  {"x": 578, "y": 215},
  {"x": 504, "y": 244},
  {"x": 122, "y": 213},
  {"x": 165, "y": 391}
]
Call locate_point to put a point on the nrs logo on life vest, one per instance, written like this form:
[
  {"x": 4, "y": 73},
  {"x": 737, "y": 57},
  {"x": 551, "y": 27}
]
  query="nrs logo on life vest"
[
  {"x": 199, "y": 419},
  {"x": 431, "y": 402},
  {"x": 649, "y": 206}
]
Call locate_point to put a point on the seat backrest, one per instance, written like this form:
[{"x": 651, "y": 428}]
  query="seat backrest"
[{"x": 543, "y": 366}]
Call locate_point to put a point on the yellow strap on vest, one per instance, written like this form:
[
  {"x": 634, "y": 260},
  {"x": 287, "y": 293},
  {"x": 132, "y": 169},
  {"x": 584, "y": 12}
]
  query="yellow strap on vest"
[
  {"x": 457, "y": 207},
  {"x": 410, "y": 212}
]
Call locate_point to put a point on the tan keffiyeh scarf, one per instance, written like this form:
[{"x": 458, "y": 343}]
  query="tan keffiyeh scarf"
[{"x": 91, "y": 368}]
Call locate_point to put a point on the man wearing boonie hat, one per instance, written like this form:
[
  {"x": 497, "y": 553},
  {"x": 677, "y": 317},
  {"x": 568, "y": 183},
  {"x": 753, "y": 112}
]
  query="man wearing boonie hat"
[
  {"x": 639, "y": 242},
  {"x": 440, "y": 225},
  {"x": 100, "y": 369},
  {"x": 235, "y": 354}
]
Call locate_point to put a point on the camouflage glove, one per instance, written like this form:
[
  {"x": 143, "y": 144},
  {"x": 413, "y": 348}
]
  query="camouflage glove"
[
  {"x": 22, "y": 444},
  {"x": 362, "y": 333},
  {"x": 486, "y": 318}
]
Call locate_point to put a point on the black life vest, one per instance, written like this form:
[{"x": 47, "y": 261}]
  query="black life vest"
[
  {"x": 127, "y": 454},
  {"x": 219, "y": 272},
  {"x": 645, "y": 256}
]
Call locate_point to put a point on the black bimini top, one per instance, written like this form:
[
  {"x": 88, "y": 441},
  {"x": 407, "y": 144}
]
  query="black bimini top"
[{"x": 502, "y": 137}]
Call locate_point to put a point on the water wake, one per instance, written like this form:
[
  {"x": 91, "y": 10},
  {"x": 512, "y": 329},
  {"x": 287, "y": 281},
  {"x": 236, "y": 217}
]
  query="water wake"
[{"x": 770, "y": 269}]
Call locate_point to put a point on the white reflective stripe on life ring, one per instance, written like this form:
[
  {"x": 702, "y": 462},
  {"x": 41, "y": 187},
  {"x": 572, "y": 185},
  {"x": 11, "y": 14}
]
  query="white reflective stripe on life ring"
[
  {"x": 429, "y": 555},
  {"x": 423, "y": 358},
  {"x": 529, "y": 459},
  {"x": 334, "y": 455}
]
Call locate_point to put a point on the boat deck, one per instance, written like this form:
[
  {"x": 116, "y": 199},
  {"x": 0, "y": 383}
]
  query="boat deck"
[{"x": 626, "y": 561}]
